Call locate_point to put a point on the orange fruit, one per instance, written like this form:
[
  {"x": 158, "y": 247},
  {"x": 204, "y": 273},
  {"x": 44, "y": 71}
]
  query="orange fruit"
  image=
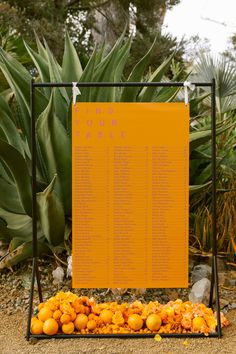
[
  {"x": 106, "y": 316},
  {"x": 34, "y": 319},
  {"x": 41, "y": 305},
  {"x": 81, "y": 321},
  {"x": 96, "y": 318},
  {"x": 198, "y": 324},
  {"x": 50, "y": 327},
  {"x": 45, "y": 313},
  {"x": 73, "y": 316},
  {"x": 57, "y": 315},
  {"x": 86, "y": 310},
  {"x": 76, "y": 304},
  {"x": 36, "y": 326},
  {"x": 135, "y": 322},
  {"x": 91, "y": 325},
  {"x": 65, "y": 318},
  {"x": 68, "y": 328},
  {"x": 211, "y": 322},
  {"x": 153, "y": 322}
]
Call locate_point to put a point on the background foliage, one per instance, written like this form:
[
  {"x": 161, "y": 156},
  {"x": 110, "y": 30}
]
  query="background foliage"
[
  {"x": 147, "y": 56},
  {"x": 92, "y": 21}
]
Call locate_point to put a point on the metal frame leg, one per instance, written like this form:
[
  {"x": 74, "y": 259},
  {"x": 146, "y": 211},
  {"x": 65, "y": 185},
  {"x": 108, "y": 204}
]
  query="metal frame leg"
[
  {"x": 31, "y": 297},
  {"x": 35, "y": 269},
  {"x": 214, "y": 275}
]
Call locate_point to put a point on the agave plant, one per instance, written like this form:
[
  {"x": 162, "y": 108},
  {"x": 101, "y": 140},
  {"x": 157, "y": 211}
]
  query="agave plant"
[{"x": 53, "y": 133}]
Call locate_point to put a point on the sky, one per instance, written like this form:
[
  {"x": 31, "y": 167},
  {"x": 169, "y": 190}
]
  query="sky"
[{"x": 191, "y": 17}]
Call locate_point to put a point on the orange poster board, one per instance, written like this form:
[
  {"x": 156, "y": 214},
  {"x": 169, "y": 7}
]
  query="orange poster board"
[{"x": 130, "y": 195}]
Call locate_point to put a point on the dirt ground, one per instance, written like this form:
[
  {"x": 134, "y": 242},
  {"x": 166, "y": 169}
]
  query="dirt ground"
[
  {"x": 14, "y": 298},
  {"x": 13, "y": 328}
]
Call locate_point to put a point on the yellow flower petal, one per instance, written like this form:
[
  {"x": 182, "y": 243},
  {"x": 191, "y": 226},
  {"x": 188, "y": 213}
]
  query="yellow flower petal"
[
  {"x": 158, "y": 338},
  {"x": 186, "y": 343}
]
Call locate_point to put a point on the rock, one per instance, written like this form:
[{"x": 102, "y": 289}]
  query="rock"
[
  {"x": 230, "y": 283},
  {"x": 200, "y": 291},
  {"x": 58, "y": 275},
  {"x": 232, "y": 306},
  {"x": 26, "y": 281},
  {"x": 118, "y": 291},
  {"x": 201, "y": 271}
]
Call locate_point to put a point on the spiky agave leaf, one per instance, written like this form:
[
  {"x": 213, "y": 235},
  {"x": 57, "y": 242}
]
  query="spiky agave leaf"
[
  {"x": 55, "y": 148},
  {"x": 51, "y": 214},
  {"x": 19, "y": 80},
  {"x": 19, "y": 170}
]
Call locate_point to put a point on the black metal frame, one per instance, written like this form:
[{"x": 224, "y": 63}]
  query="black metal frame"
[{"x": 35, "y": 269}]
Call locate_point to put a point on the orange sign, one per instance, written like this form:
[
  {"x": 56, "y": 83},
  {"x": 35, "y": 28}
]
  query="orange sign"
[{"x": 130, "y": 191}]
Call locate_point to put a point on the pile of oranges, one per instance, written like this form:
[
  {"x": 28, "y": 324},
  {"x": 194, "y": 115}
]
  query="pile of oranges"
[{"x": 69, "y": 314}]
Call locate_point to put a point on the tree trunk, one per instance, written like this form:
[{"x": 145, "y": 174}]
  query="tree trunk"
[
  {"x": 60, "y": 10},
  {"x": 150, "y": 16},
  {"x": 109, "y": 21}
]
